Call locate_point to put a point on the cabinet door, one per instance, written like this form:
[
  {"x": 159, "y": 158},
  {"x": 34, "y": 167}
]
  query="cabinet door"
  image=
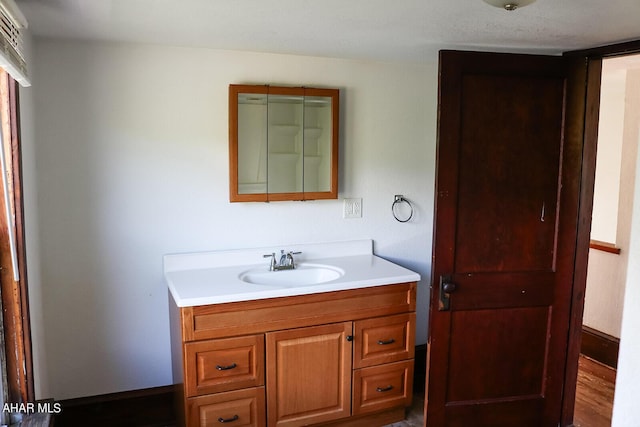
[{"x": 309, "y": 375}]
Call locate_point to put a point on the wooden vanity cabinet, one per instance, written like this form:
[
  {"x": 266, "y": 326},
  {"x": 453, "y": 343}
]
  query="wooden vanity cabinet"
[{"x": 340, "y": 358}]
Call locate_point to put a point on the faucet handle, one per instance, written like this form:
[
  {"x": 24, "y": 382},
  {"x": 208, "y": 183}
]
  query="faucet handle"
[
  {"x": 290, "y": 259},
  {"x": 272, "y": 263}
]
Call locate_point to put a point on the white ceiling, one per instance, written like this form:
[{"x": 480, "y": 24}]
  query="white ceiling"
[{"x": 396, "y": 30}]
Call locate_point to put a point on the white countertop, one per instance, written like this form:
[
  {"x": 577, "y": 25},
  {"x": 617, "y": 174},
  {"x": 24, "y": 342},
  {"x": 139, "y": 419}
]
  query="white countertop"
[{"x": 214, "y": 277}]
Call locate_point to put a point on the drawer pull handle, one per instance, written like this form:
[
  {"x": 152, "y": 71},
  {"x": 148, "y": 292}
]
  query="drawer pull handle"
[
  {"x": 226, "y": 368},
  {"x": 384, "y": 389},
  {"x": 228, "y": 420},
  {"x": 387, "y": 342}
]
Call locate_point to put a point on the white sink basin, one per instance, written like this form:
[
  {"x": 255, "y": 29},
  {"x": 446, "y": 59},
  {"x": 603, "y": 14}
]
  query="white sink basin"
[{"x": 304, "y": 275}]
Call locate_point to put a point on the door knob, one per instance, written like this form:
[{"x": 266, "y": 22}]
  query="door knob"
[{"x": 447, "y": 287}]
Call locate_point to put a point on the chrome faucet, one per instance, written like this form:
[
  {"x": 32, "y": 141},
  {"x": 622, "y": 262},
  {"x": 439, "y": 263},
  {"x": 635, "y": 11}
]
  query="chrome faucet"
[{"x": 286, "y": 261}]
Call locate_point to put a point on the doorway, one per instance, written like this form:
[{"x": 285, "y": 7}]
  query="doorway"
[{"x": 619, "y": 121}]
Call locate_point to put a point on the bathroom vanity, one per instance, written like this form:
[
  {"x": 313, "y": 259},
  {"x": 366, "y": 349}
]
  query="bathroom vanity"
[{"x": 325, "y": 348}]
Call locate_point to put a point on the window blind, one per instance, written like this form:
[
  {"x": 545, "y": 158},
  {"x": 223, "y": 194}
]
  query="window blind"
[{"x": 12, "y": 22}]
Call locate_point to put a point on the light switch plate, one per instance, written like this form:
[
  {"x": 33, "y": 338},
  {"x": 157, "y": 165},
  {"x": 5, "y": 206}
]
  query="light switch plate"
[{"x": 352, "y": 208}]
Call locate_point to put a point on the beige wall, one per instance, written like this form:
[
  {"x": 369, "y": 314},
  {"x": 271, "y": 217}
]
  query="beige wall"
[{"x": 132, "y": 163}]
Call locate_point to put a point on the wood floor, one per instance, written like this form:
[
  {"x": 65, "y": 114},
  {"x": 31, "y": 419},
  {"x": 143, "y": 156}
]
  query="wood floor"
[
  {"x": 594, "y": 394},
  {"x": 594, "y": 398},
  {"x": 594, "y": 401}
]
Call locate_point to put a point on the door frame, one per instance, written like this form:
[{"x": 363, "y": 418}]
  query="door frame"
[{"x": 594, "y": 59}]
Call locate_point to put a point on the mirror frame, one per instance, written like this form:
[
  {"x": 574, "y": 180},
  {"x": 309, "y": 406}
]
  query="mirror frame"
[{"x": 234, "y": 91}]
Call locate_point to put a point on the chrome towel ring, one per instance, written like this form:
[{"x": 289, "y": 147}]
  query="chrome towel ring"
[{"x": 397, "y": 201}]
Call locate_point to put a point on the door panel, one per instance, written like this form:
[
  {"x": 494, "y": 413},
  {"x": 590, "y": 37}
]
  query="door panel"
[
  {"x": 508, "y": 168},
  {"x": 508, "y": 191},
  {"x": 495, "y": 340}
]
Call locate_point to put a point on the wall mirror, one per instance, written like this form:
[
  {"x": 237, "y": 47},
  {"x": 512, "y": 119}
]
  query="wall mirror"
[{"x": 283, "y": 143}]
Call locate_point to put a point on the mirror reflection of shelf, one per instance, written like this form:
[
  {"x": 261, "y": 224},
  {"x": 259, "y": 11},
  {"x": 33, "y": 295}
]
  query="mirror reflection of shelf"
[
  {"x": 313, "y": 133},
  {"x": 283, "y": 175},
  {"x": 284, "y": 138},
  {"x": 311, "y": 167},
  {"x": 286, "y": 99},
  {"x": 288, "y": 130},
  {"x": 283, "y": 147},
  {"x": 320, "y": 101},
  {"x": 311, "y": 143},
  {"x": 252, "y": 98},
  {"x": 286, "y": 154},
  {"x": 252, "y": 187}
]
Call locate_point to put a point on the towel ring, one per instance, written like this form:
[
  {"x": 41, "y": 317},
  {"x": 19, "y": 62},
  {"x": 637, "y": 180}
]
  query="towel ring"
[{"x": 399, "y": 198}]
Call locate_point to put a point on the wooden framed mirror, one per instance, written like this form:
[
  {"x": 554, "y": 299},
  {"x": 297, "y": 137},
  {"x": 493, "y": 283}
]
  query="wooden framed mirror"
[{"x": 283, "y": 143}]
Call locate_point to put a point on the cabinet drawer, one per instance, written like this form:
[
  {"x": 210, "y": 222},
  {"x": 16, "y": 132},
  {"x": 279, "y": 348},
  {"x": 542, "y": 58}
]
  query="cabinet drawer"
[
  {"x": 239, "y": 408},
  {"x": 227, "y": 364},
  {"x": 274, "y": 314},
  {"x": 382, "y": 387},
  {"x": 384, "y": 339}
]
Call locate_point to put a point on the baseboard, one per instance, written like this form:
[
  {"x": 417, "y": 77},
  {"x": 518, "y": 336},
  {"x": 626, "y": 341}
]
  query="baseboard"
[
  {"x": 152, "y": 407},
  {"x": 600, "y": 346}
]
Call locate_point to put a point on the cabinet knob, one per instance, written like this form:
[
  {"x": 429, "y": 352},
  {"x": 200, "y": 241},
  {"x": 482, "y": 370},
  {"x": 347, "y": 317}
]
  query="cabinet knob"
[{"x": 349, "y": 338}]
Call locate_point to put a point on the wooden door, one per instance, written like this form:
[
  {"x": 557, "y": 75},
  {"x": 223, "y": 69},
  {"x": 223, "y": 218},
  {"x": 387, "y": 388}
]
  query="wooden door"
[
  {"x": 510, "y": 142},
  {"x": 309, "y": 375}
]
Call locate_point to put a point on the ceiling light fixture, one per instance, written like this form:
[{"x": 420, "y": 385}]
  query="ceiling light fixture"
[{"x": 509, "y": 4}]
